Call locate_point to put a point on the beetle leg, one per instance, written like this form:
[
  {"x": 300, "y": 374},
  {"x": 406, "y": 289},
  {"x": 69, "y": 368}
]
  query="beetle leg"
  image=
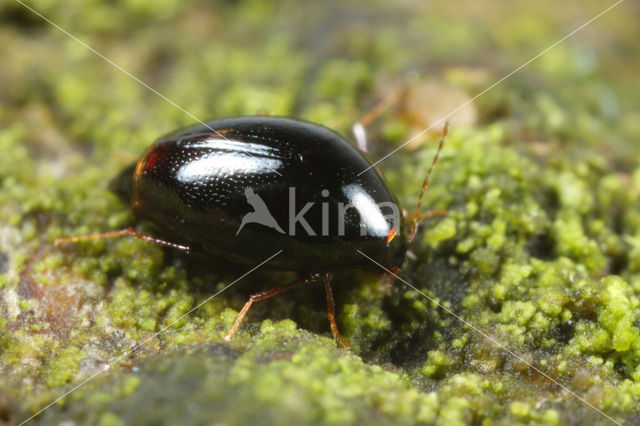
[
  {"x": 331, "y": 312},
  {"x": 262, "y": 296},
  {"x": 431, "y": 213},
  {"x": 416, "y": 221},
  {"x": 377, "y": 110},
  {"x": 129, "y": 232}
]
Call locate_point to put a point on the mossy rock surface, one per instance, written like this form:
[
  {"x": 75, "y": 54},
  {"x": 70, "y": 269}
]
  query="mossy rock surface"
[{"x": 523, "y": 302}]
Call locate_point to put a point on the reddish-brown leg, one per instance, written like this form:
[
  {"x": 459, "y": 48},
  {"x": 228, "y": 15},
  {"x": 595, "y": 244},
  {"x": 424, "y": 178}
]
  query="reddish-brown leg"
[
  {"x": 331, "y": 312},
  {"x": 262, "y": 296},
  {"x": 416, "y": 221},
  {"x": 129, "y": 232},
  {"x": 372, "y": 114},
  {"x": 431, "y": 213}
]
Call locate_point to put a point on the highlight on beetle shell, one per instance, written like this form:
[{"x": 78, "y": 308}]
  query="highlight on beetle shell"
[{"x": 332, "y": 217}]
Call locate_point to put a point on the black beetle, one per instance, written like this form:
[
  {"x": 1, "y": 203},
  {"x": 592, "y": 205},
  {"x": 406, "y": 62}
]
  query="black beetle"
[{"x": 245, "y": 188}]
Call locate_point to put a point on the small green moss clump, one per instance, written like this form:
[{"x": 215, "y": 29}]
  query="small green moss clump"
[{"x": 538, "y": 254}]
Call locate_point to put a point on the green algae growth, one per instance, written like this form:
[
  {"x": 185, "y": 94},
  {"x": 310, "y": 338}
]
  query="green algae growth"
[{"x": 539, "y": 249}]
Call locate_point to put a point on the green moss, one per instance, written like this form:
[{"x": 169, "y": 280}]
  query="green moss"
[
  {"x": 619, "y": 313},
  {"x": 63, "y": 367},
  {"x": 443, "y": 230},
  {"x": 539, "y": 249},
  {"x": 437, "y": 363},
  {"x": 316, "y": 383}
]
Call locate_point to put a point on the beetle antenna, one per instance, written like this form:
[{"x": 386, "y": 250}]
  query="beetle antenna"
[{"x": 416, "y": 218}]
